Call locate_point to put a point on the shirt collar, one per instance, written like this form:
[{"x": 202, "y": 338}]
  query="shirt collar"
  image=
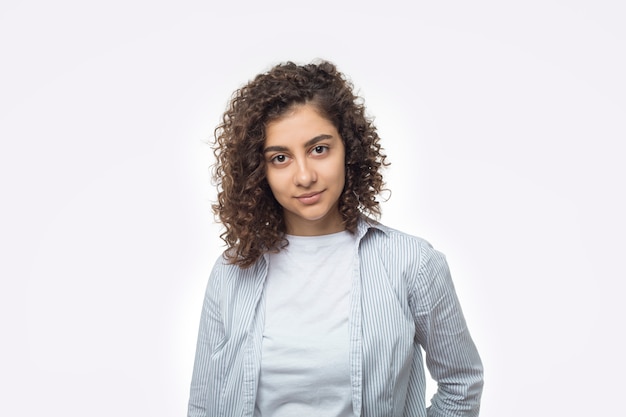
[{"x": 366, "y": 224}]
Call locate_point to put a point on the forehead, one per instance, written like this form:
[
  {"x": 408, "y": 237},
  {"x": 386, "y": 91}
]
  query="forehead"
[{"x": 302, "y": 122}]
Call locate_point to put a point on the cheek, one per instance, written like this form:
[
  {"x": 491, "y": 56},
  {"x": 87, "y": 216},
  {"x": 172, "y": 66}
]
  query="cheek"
[
  {"x": 275, "y": 181},
  {"x": 271, "y": 182},
  {"x": 340, "y": 171}
]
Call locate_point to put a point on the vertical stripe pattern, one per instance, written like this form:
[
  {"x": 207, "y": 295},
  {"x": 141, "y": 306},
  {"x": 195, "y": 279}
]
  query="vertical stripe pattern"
[{"x": 403, "y": 306}]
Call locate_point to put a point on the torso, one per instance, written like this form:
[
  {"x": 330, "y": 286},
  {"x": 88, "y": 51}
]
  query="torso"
[{"x": 305, "y": 350}]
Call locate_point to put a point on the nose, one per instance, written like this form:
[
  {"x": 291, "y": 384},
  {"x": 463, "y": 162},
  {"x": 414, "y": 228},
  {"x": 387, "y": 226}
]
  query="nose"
[{"x": 305, "y": 175}]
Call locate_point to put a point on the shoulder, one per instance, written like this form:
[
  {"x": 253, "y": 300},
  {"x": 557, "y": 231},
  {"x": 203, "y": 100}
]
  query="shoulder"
[
  {"x": 400, "y": 253},
  {"x": 397, "y": 243},
  {"x": 229, "y": 277},
  {"x": 225, "y": 269}
]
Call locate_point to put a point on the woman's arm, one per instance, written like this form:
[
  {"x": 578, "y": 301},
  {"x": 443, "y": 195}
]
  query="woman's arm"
[
  {"x": 210, "y": 333},
  {"x": 451, "y": 356}
]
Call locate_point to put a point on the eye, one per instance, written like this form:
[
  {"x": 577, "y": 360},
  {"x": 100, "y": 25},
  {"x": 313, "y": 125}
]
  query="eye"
[
  {"x": 278, "y": 159},
  {"x": 319, "y": 150}
]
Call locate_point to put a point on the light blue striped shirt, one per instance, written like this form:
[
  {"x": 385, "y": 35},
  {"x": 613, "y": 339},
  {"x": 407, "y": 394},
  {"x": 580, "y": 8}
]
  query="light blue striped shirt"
[{"x": 402, "y": 303}]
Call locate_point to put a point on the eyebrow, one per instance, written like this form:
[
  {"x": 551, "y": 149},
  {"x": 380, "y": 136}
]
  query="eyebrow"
[{"x": 310, "y": 142}]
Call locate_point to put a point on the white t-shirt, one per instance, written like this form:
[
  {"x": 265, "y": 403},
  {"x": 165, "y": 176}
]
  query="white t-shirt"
[{"x": 305, "y": 366}]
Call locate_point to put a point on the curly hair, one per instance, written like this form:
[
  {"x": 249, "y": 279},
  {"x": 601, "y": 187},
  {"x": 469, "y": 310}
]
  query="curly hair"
[{"x": 252, "y": 217}]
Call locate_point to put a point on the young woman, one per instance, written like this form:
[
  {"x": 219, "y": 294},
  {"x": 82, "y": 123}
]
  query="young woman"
[{"x": 316, "y": 309}]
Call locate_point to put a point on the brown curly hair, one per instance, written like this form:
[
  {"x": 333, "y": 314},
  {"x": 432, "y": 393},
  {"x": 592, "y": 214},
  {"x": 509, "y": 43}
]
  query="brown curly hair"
[{"x": 252, "y": 217}]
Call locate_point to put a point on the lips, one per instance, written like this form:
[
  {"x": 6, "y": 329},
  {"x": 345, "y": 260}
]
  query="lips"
[{"x": 309, "y": 198}]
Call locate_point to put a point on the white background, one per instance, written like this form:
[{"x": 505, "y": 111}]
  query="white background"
[{"x": 504, "y": 122}]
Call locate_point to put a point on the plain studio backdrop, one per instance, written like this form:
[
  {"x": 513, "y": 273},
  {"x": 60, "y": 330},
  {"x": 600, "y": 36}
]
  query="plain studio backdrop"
[{"x": 504, "y": 123}]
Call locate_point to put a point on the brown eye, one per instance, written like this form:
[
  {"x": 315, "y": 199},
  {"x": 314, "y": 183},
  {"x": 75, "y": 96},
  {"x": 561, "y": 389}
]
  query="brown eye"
[
  {"x": 279, "y": 159},
  {"x": 320, "y": 149}
]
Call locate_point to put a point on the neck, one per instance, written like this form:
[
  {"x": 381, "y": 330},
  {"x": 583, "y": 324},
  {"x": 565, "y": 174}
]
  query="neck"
[{"x": 314, "y": 228}]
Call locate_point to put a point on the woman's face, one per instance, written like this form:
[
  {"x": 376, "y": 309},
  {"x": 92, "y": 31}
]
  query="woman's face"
[{"x": 305, "y": 159}]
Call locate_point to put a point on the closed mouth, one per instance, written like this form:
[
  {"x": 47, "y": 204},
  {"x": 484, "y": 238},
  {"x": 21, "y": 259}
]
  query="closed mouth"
[{"x": 308, "y": 195}]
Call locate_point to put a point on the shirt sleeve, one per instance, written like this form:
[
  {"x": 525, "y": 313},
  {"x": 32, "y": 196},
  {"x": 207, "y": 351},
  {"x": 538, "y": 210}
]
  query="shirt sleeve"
[
  {"x": 451, "y": 356},
  {"x": 210, "y": 333}
]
